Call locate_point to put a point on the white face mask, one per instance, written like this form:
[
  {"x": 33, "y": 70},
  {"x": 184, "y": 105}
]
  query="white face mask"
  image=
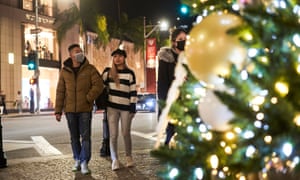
[{"x": 79, "y": 57}]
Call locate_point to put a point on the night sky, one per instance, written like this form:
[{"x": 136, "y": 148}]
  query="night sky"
[{"x": 153, "y": 10}]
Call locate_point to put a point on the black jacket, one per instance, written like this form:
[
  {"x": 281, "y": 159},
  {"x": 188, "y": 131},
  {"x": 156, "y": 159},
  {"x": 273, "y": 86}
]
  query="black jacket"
[{"x": 166, "y": 67}]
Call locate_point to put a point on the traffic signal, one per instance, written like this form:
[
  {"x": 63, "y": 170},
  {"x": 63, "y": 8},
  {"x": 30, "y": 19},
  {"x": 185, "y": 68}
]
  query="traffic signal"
[
  {"x": 31, "y": 62},
  {"x": 184, "y": 9},
  {"x": 32, "y": 81}
]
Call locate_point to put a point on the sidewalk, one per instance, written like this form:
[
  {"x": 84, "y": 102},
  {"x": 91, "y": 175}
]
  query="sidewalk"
[
  {"x": 26, "y": 114},
  {"x": 59, "y": 168}
]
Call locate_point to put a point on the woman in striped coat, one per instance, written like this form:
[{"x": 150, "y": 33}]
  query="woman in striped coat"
[{"x": 121, "y": 105}]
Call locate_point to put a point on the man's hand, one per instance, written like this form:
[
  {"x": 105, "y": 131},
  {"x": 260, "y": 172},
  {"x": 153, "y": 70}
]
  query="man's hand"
[{"x": 58, "y": 117}]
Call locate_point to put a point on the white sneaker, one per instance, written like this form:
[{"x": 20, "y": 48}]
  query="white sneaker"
[
  {"x": 115, "y": 165},
  {"x": 130, "y": 162},
  {"x": 84, "y": 168},
  {"x": 76, "y": 166}
]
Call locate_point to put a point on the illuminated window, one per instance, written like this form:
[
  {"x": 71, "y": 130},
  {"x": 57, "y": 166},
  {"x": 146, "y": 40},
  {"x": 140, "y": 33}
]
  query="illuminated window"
[
  {"x": 28, "y": 5},
  {"x": 46, "y": 42},
  {"x": 45, "y": 6}
]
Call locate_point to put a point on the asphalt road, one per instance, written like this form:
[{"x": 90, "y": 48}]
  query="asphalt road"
[{"x": 30, "y": 136}]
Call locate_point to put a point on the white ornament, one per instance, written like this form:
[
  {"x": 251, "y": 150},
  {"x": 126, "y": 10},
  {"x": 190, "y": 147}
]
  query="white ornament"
[{"x": 213, "y": 112}]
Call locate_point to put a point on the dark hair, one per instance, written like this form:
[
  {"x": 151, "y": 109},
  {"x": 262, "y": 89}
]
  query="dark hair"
[
  {"x": 176, "y": 32},
  {"x": 120, "y": 52},
  {"x": 72, "y": 46}
]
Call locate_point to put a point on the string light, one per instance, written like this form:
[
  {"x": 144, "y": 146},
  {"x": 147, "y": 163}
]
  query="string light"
[
  {"x": 244, "y": 75},
  {"x": 223, "y": 143},
  {"x": 287, "y": 149},
  {"x": 298, "y": 68},
  {"x": 250, "y": 151},
  {"x": 190, "y": 129},
  {"x": 202, "y": 128},
  {"x": 282, "y": 88},
  {"x": 274, "y": 100},
  {"x": 173, "y": 173},
  {"x": 258, "y": 124},
  {"x": 198, "y": 120},
  {"x": 268, "y": 139},
  {"x": 230, "y": 135},
  {"x": 214, "y": 161},
  {"x": 228, "y": 150},
  {"x": 199, "y": 173},
  {"x": 297, "y": 120},
  {"x": 248, "y": 134},
  {"x": 296, "y": 39},
  {"x": 222, "y": 175},
  {"x": 194, "y": 5},
  {"x": 236, "y": 7},
  {"x": 260, "y": 116},
  {"x": 258, "y": 100},
  {"x": 208, "y": 136},
  {"x": 264, "y": 59},
  {"x": 255, "y": 108},
  {"x": 237, "y": 130},
  {"x": 252, "y": 52},
  {"x": 296, "y": 10},
  {"x": 248, "y": 36}
]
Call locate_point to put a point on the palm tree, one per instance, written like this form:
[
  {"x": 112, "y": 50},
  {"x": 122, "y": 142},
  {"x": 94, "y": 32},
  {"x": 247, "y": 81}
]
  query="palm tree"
[
  {"x": 72, "y": 16},
  {"x": 89, "y": 19},
  {"x": 128, "y": 30}
]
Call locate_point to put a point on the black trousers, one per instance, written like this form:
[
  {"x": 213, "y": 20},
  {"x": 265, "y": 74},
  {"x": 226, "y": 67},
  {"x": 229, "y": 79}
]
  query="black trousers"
[
  {"x": 104, "y": 149},
  {"x": 105, "y": 126},
  {"x": 170, "y": 131}
]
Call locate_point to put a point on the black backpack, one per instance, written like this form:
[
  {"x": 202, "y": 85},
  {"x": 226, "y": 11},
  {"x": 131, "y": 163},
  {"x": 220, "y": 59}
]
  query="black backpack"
[{"x": 101, "y": 100}]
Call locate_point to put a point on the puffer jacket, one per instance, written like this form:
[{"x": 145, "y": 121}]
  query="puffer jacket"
[{"x": 77, "y": 93}]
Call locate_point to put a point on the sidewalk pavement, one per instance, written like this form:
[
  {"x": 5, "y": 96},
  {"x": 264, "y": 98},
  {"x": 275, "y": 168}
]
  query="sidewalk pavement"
[
  {"x": 59, "y": 168},
  {"x": 27, "y": 114}
]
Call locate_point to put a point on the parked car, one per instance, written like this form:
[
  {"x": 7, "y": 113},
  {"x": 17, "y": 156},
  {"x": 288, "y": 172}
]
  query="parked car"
[{"x": 146, "y": 102}]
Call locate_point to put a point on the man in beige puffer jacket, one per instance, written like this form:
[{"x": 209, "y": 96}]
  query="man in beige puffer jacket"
[{"x": 78, "y": 86}]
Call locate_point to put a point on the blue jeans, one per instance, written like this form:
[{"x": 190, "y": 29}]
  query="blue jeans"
[{"x": 80, "y": 126}]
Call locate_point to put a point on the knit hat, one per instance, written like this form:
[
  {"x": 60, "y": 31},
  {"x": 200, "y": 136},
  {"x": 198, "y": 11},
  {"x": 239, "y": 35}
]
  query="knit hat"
[{"x": 120, "y": 52}]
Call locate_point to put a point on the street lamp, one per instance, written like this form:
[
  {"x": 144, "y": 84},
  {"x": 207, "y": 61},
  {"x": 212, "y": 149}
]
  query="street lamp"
[
  {"x": 37, "y": 71},
  {"x": 151, "y": 48},
  {"x": 163, "y": 25}
]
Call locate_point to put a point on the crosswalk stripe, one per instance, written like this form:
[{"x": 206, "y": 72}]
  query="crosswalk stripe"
[
  {"x": 44, "y": 147},
  {"x": 151, "y": 136}
]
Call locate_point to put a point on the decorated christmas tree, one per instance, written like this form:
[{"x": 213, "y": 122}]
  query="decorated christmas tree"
[{"x": 236, "y": 98}]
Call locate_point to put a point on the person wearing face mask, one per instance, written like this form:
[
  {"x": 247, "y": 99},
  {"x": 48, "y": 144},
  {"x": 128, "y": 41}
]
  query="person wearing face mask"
[
  {"x": 167, "y": 61},
  {"x": 79, "y": 84}
]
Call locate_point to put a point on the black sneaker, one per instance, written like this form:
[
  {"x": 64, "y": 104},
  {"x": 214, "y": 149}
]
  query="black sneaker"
[{"x": 104, "y": 150}]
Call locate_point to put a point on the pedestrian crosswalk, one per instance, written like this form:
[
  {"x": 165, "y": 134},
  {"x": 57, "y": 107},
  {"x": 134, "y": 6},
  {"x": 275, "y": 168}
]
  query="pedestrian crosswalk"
[
  {"x": 45, "y": 149},
  {"x": 39, "y": 143}
]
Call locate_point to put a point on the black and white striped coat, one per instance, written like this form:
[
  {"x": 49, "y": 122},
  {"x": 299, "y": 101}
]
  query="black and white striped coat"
[{"x": 123, "y": 97}]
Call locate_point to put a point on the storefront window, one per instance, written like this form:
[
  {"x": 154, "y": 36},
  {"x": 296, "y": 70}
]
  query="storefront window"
[
  {"x": 46, "y": 43},
  {"x": 45, "y": 6},
  {"x": 28, "y": 5}
]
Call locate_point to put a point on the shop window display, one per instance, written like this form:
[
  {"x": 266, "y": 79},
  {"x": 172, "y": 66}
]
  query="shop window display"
[
  {"x": 46, "y": 43},
  {"x": 45, "y": 7}
]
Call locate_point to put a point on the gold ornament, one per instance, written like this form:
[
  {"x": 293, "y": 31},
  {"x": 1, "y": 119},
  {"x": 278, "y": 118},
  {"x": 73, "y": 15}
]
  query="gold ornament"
[{"x": 210, "y": 50}]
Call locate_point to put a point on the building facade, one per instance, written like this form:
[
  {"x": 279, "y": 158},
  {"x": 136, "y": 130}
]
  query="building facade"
[
  {"x": 19, "y": 32},
  {"x": 22, "y": 32}
]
